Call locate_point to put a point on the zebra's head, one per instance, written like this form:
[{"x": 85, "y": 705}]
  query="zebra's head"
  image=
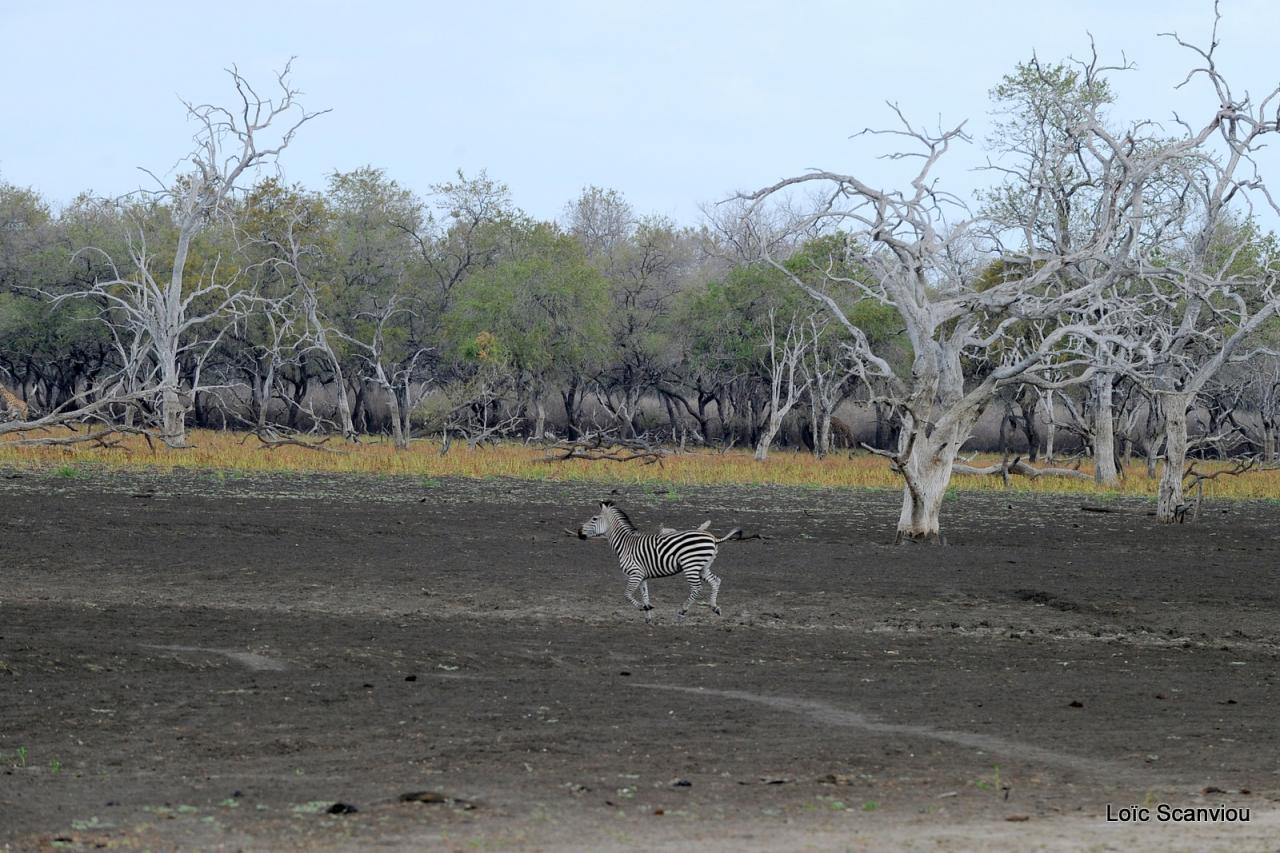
[{"x": 600, "y": 524}]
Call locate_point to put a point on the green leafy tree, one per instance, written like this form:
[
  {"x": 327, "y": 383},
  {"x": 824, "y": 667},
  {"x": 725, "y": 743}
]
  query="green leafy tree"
[{"x": 544, "y": 308}]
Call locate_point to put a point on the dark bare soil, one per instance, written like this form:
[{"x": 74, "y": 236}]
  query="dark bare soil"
[{"x": 198, "y": 661}]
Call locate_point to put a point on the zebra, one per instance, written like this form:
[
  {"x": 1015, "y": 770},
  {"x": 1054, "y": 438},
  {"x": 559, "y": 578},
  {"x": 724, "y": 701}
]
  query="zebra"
[{"x": 645, "y": 555}]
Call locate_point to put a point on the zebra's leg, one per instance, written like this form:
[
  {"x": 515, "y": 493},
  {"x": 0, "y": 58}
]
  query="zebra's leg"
[
  {"x": 714, "y": 582},
  {"x": 637, "y": 583},
  {"x": 633, "y": 583},
  {"x": 644, "y": 596},
  {"x": 695, "y": 592}
]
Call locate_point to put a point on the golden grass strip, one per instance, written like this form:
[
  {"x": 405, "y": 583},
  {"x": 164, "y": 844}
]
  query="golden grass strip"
[{"x": 228, "y": 451}]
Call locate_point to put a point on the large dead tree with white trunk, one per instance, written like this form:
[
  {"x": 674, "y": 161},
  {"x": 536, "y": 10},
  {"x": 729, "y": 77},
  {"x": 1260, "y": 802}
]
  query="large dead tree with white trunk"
[
  {"x": 1204, "y": 317},
  {"x": 924, "y": 256},
  {"x": 1136, "y": 223},
  {"x": 928, "y": 258},
  {"x": 1209, "y": 281},
  {"x": 152, "y": 295}
]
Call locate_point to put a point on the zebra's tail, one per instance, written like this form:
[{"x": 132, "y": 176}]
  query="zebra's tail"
[{"x": 735, "y": 533}]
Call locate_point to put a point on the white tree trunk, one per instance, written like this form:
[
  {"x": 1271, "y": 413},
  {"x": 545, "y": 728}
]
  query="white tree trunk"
[
  {"x": 397, "y": 433},
  {"x": 1052, "y": 427},
  {"x": 262, "y": 390},
  {"x": 173, "y": 416},
  {"x": 927, "y": 471},
  {"x": 1175, "y": 457},
  {"x": 767, "y": 435},
  {"x": 1104, "y": 439},
  {"x": 815, "y": 422},
  {"x": 540, "y": 419},
  {"x": 173, "y": 411},
  {"x": 344, "y": 403}
]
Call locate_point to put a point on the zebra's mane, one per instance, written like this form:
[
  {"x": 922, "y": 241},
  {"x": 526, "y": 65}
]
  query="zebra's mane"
[{"x": 623, "y": 519}]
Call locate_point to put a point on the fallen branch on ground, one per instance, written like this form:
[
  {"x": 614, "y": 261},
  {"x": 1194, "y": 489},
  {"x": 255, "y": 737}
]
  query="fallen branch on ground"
[
  {"x": 104, "y": 437},
  {"x": 1195, "y": 482},
  {"x": 1017, "y": 466},
  {"x": 599, "y": 448},
  {"x": 271, "y": 440},
  {"x": 100, "y": 437}
]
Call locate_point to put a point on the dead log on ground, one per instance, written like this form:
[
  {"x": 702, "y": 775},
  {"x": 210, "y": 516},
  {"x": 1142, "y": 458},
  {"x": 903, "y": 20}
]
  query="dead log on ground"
[
  {"x": 271, "y": 439},
  {"x": 600, "y": 448},
  {"x": 1005, "y": 469}
]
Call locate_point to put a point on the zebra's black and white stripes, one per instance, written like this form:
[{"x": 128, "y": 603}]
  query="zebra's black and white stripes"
[{"x": 643, "y": 556}]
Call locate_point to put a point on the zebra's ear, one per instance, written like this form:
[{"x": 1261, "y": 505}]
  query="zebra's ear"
[{"x": 606, "y": 503}]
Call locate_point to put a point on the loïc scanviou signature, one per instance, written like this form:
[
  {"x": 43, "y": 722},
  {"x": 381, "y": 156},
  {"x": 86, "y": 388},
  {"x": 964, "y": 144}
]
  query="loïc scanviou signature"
[{"x": 1165, "y": 813}]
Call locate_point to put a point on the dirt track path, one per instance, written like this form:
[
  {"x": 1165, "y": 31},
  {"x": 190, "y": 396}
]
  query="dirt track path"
[{"x": 219, "y": 660}]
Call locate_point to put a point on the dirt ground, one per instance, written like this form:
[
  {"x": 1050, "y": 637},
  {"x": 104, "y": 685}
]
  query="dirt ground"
[{"x": 213, "y": 662}]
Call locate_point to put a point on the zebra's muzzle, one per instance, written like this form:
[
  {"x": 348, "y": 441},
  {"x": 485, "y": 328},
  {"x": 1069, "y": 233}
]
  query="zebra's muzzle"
[{"x": 582, "y": 535}]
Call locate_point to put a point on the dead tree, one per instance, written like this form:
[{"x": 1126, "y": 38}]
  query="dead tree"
[
  {"x": 1154, "y": 206},
  {"x": 829, "y": 376},
  {"x": 397, "y": 377},
  {"x": 922, "y": 253},
  {"x": 787, "y": 381},
  {"x": 151, "y": 295},
  {"x": 1209, "y": 287},
  {"x": 316, "y": 330}
]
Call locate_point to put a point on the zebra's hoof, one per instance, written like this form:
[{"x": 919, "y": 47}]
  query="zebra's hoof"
[
  {"x": 715, "y": 610},
  {"x": 647, "y": 607}
]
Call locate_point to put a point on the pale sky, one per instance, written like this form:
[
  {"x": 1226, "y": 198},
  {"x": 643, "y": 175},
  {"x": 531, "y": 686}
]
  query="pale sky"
[{"x": 671, "y": 103}]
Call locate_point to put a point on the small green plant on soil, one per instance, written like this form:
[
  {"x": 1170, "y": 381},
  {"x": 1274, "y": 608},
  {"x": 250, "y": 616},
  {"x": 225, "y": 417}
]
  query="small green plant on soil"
[
  {"x": 68, "y": 472},
  {"x": 993, "y": 784},
  {"x": 20, "y": 757},
  {"x": 56, "y": 766},
  {"x": 870, "y": 806}
]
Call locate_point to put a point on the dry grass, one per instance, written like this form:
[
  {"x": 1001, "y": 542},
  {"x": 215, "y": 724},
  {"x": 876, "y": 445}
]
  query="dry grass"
[{"x": 234, "y": 452}]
